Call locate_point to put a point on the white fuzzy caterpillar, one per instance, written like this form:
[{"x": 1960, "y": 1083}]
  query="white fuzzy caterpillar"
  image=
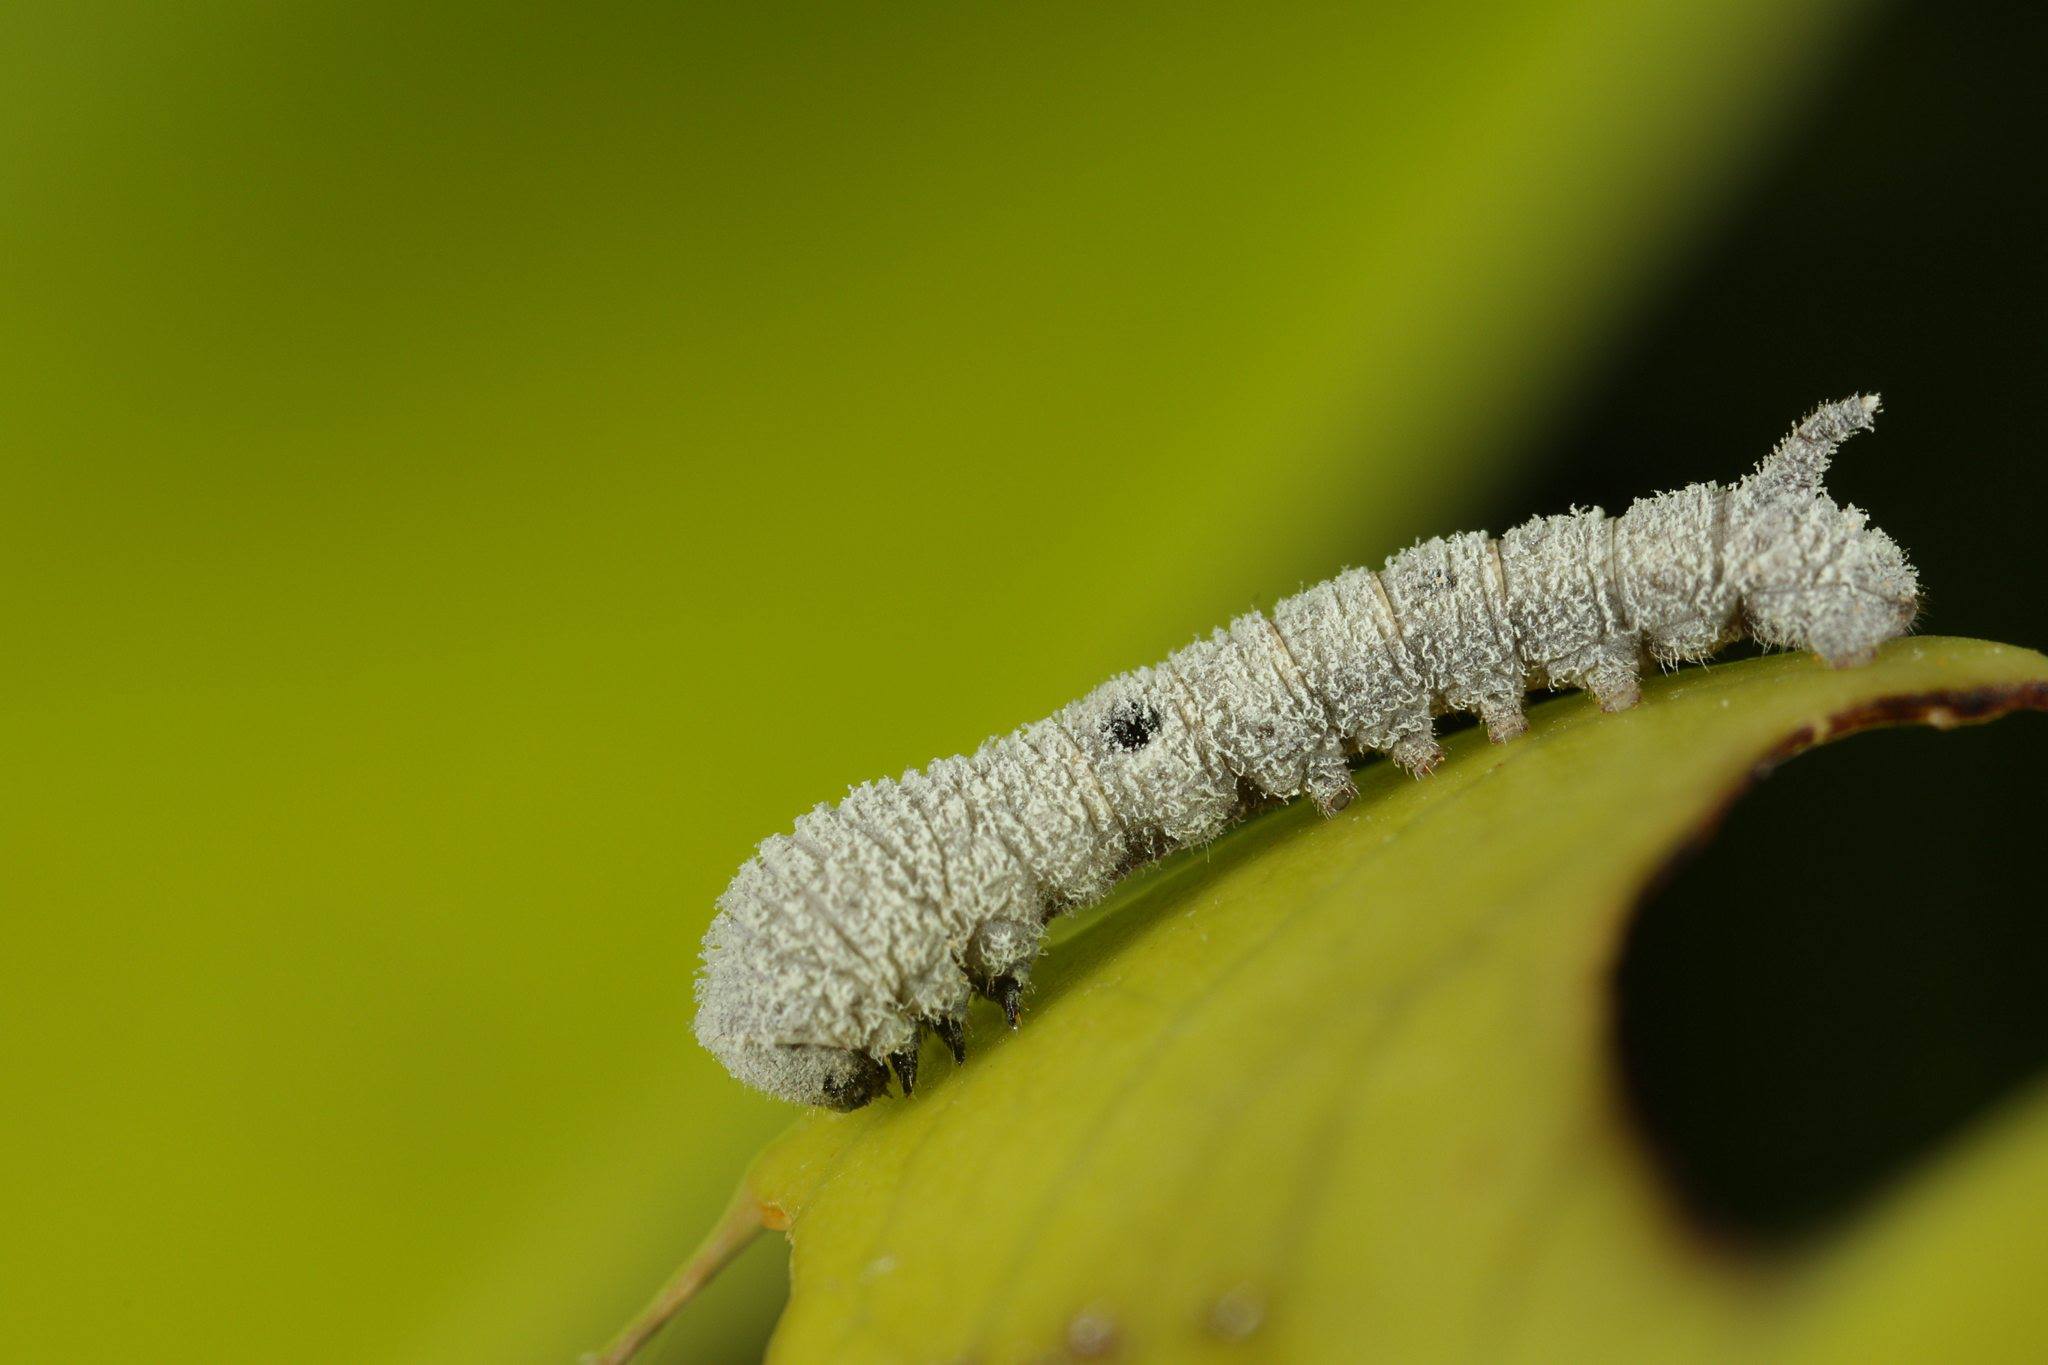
[{"x": 837, "y": 944}]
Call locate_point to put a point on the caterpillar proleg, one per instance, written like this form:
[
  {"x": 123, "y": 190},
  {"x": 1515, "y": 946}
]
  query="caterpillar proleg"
[{"x": 838, "y": 943}]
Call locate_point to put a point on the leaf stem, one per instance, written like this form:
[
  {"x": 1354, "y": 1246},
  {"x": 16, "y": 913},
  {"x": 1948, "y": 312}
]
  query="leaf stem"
[{"x": 743, "y": 1220}]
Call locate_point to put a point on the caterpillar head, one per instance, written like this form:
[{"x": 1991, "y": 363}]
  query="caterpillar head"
[
  {"x": 734, "y": 1027},
  {"x": 777, "y": 1017},
  {"x": 831, "y": 1077},
  {"x": 1813, "y": 574}
]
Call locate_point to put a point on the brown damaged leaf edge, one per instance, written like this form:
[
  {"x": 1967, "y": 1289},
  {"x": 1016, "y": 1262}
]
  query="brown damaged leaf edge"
[{"x": 1943, "y": 709}]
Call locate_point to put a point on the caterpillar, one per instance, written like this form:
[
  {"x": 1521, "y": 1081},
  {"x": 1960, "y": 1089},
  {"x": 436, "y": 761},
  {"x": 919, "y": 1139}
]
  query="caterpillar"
[{"x": 839, "y": 944}]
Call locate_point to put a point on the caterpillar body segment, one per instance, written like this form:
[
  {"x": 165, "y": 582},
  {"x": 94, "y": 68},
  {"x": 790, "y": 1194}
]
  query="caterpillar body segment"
[{"x": 839, "y": 943}]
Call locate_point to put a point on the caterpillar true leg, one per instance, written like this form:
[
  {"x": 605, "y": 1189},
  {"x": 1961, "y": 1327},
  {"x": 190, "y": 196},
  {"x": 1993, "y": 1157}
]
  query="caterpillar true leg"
[
  {"x": 1008, "y": 992},
  {"x": 953, "y": 1033},
  {"x": 904, "y": 1064}
]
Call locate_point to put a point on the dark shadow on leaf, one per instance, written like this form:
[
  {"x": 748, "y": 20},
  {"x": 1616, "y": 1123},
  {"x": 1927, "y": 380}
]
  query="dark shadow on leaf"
[{"x": 1845, "y": 976}]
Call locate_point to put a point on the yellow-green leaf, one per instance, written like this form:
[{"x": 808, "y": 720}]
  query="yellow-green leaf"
[{"x": 1341, "y": 1090}]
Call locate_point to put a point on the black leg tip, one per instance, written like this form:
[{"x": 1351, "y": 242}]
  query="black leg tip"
[
  {"x": 953, "y": 1034},
  {"x": 1006, "y": 991},
  {"x": 904, "y": 1064}
]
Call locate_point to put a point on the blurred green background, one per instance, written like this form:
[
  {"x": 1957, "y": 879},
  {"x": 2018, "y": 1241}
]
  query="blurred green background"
[{"x": 472, "y": 471}]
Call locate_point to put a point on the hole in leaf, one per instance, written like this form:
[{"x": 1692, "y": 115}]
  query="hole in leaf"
[{"x": 1847, "y": 974}]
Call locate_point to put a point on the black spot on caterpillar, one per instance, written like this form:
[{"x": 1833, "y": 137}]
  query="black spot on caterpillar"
[
  {"x": 1130, "y": 725},
  {"x": 838, "y": 944}
]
